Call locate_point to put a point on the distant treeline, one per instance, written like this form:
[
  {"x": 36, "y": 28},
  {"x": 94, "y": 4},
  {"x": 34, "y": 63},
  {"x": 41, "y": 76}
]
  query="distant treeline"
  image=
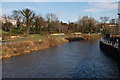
[{"x": 28, "y": 22}]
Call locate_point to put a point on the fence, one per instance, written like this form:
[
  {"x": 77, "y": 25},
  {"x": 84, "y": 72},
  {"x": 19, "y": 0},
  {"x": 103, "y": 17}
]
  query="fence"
[{"x": 111, "y": 43}]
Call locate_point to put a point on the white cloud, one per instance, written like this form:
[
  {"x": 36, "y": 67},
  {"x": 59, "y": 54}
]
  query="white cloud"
[
  {"x": 107, "y": 5},
  {"x": 92, "y": 10},
  {"x": 102, "y": 6}
]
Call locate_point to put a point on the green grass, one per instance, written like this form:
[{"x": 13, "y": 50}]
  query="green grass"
[
  {"x": 30, "y": 37},
  {"x": 42, "y": 37},
  {"x": 3, "y": 32}
]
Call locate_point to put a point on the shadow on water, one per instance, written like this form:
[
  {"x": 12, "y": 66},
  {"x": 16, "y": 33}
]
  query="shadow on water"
[
  {"x": 98, "y": 65},
  {"x": 117, "y": 60},
  {"x": 80, "y": 59}
]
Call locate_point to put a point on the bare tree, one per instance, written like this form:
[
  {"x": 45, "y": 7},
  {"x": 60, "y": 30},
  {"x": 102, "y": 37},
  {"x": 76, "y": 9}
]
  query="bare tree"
[
  {"x": 51, "y": 17},
  {"x": 104, "y": 19},
  {"x": 104, "y": 25},
  {"x": 7, "y": 25},
  {"x": 84, "y": 23},
  {"x": 112, "y": 21},
  {"x": 87, "y": 24},
  {"x": 52, "y": 20},
  {"x": 39, "y": 23},
  {"x": 16, "y": 15},
  {"x": 113, "y": 27}
]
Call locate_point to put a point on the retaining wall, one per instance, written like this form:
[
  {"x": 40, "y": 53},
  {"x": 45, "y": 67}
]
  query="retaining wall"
[{"x": 110, "y": 50}]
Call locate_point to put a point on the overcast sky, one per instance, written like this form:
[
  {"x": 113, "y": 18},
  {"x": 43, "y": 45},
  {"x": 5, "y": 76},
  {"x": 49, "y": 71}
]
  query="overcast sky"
[{"x": 66, "y": 11}]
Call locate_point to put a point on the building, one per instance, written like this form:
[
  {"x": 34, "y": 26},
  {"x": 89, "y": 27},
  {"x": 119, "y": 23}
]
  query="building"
[{"x": 4, "y": 20}]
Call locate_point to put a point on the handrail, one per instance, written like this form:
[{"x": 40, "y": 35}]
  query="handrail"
[{"x": 111, "y": 43}]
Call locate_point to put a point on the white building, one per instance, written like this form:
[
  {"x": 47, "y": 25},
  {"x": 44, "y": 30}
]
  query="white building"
[{"x": 4, "y": 20}]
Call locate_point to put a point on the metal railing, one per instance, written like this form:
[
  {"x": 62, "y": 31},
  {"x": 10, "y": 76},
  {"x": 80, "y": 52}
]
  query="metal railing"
[{"x": 110, "y": 43}]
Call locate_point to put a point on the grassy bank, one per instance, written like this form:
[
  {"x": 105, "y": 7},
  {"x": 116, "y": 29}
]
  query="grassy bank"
[
  {"x": 92, "y": 36},
  {"x": 37, "y": 43},
  {"x": 27, "y": 46}
]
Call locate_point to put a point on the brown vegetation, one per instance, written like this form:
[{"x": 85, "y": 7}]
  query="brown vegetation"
[
  {"x": 92, "y": 37},
  {"x": 24, "y": 47},
  {"x": 28, "y": 46}
]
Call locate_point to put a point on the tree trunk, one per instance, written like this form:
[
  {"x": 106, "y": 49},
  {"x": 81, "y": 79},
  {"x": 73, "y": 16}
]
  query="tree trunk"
[
  {"x": 10, "y": 31},
  {"x": 28, "y": 31}
]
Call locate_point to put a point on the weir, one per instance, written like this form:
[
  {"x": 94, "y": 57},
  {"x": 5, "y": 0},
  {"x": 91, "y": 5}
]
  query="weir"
[{"x": 74, "y": 39}]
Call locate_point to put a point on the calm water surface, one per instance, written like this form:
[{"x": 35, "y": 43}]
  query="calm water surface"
[{"x": 82, "y": 59}]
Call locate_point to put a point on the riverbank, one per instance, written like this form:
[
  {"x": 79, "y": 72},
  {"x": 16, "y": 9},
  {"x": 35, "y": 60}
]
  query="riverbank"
[
  {"x": 27, "y": 46},
  {"x": 31, "y": 45}
]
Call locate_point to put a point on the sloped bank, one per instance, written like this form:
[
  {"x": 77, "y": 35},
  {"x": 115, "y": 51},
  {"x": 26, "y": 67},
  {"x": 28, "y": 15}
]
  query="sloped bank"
[
  {"x": 28, "y": 46},
  {"x": 25, "y": 47}
]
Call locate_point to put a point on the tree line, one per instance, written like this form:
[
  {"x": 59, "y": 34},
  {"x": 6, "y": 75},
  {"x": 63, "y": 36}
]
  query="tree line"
[{"x": 28, "y": 22}]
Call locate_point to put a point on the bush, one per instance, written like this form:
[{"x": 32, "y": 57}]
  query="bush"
[{"x": 18, "y": 30}]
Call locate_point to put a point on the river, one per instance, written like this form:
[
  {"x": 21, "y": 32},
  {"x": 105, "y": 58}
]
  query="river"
[{"x": 82, "y": 59}]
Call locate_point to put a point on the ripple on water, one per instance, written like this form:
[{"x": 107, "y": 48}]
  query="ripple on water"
[{"x": 72, "y": 60}]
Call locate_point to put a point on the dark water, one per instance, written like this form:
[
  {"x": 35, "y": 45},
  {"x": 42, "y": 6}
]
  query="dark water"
[{"x": 81, "y": 59}]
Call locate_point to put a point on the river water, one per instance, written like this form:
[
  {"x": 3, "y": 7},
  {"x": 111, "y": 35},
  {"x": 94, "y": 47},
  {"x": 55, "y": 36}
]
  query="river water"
[{"x": 82, "y": 59}]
